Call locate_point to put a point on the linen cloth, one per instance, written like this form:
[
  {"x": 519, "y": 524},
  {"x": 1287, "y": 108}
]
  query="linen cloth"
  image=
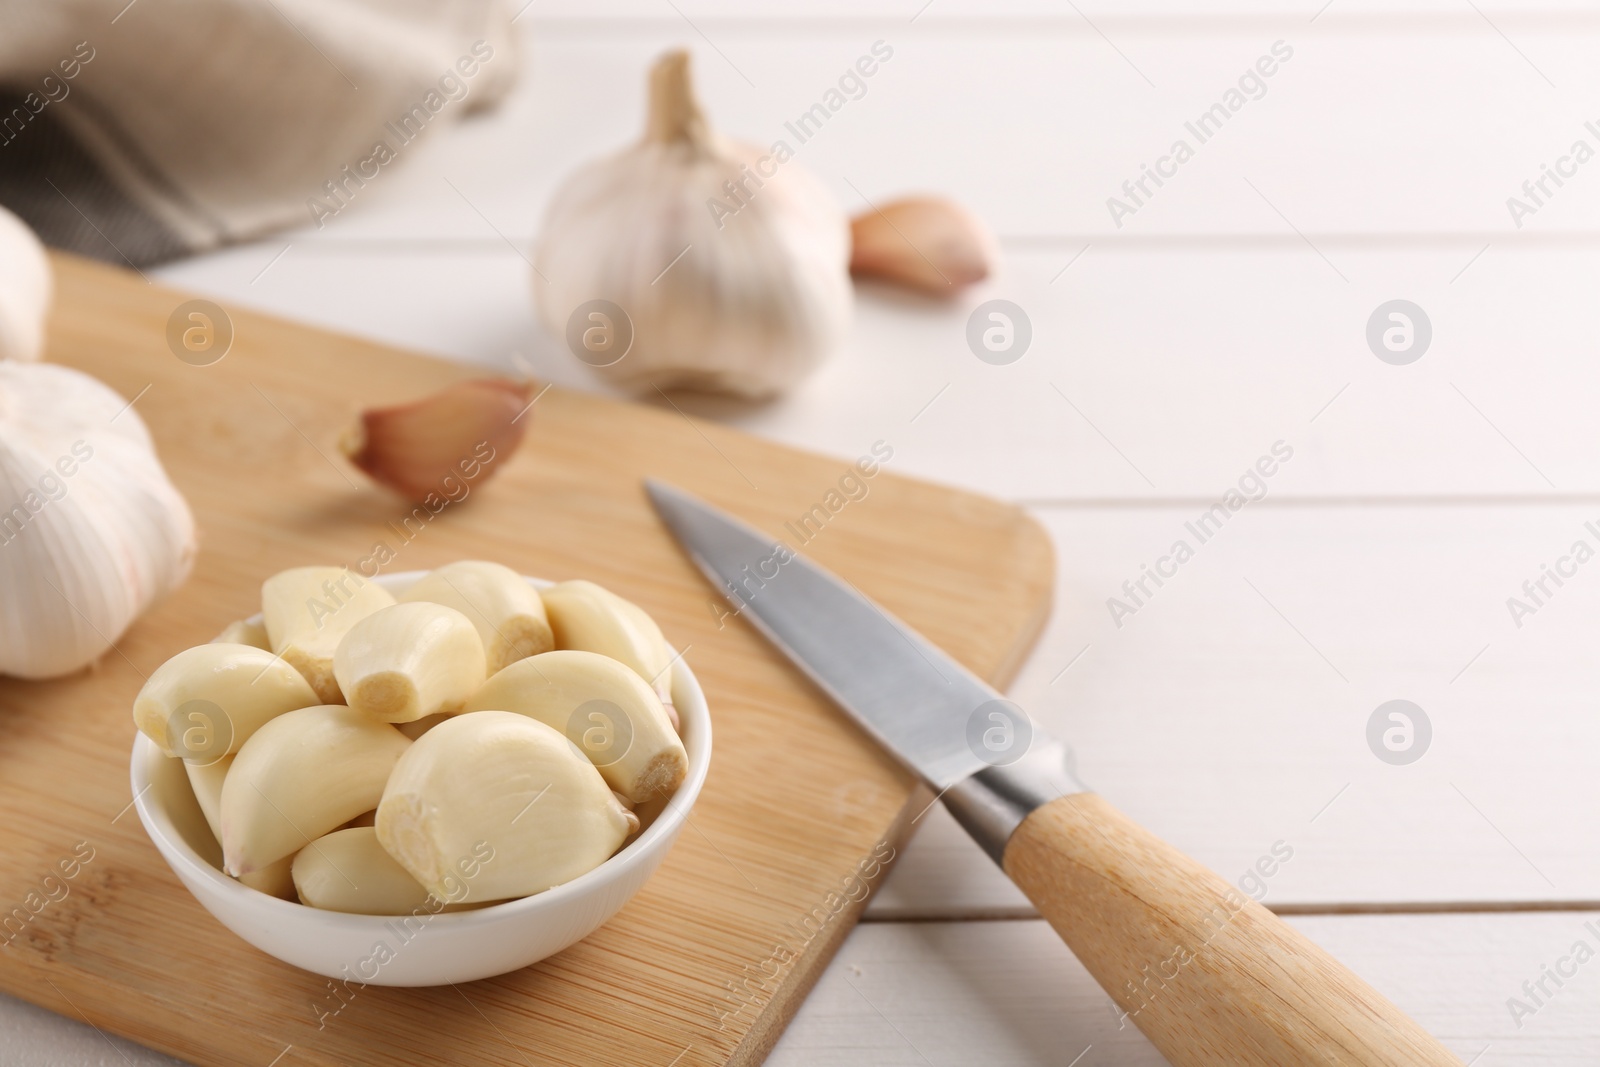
[{"x": 139, "y": 132}]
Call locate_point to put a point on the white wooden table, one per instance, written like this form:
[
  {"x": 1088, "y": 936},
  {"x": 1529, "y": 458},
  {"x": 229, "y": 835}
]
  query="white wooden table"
[{"x": 1228, "y": 313}]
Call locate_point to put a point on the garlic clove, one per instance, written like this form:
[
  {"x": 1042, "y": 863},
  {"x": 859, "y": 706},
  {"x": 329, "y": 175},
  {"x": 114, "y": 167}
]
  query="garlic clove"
[
  {"x": 429, "y": 449},
  {"x": 275, "y": 879},
  {"x": 492, "y": 805},
  {"x": 724, "y": 264},
  {"x": 417, "y": 727},
  {"x": 206, "y": 781},
  {"x": 307, "y": 612},
  {"x": 92, "y": 532},
  {"x": 591, "y": 618},
  {"x": 302, "y": 775},
  {"x": 924, "y": 243},
  {"x": 603, "y": 707},
  {"x": 26, "y": 282},
  {"x": 406, "y": 661},
  {"x": 349, "y": 871},
  {"x": 507, "y": 611},
  {"x": 207, "y": 701},
  {"x": 244, "y": 632}
]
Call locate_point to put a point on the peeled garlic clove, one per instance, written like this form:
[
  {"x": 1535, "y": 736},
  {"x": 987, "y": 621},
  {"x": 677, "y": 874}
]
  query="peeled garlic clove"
[
  {"x": 206, "y": 701},
  {"x": 308, "y": 610},
  {"x": 499, "y": 804},
  {"x": 91, "y": 531},
  {"x": 275, "y": 879},
  {"x": 728, "y": 262},
  {"x": 206, "y": 781},
  {"x": 591, "y": 618},
  {"x": 924, "y": 243},
  {"x": 431, "y": 448},
  {"x": 507, "y": 611},
  {"x": 302, "y": 775},
  {"x": 244, "y": 632},
  {"x": 406, "y": 661},
  {"x": 417, "y": 727},
  {"x": 349, "y": 871},
  {"x": 26, "y": 282},
  {"x": 603, "y": 707}
]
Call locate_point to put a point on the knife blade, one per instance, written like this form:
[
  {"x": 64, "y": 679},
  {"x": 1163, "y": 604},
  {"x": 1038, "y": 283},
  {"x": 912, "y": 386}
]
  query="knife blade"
[
  {"x": 1208, "y": 974},
  {"x": 902, "y": 689}
]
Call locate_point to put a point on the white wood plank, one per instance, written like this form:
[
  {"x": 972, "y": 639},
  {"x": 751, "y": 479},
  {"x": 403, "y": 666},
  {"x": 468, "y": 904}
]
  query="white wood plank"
[
  {"x": 1371, "y": 127},
  {"x": 1009, "y": 993},
  {"x": 1153, "y": 373},
  {"x": 1211, "y": 720}
]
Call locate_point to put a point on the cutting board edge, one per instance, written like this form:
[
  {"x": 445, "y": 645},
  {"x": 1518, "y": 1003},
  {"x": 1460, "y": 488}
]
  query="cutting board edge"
[{"x": 769, "y": 1025}]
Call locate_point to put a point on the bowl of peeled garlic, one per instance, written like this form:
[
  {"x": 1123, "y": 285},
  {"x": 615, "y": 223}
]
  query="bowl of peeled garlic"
[{"x": 424, "y": 777}]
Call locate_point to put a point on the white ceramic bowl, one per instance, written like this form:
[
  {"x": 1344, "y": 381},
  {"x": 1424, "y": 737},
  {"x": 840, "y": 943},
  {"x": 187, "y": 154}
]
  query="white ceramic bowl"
[{"x": 452, "y": 947}]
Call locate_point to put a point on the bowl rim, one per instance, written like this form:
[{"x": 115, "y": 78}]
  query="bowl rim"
[{"x": 696, "y": 714}]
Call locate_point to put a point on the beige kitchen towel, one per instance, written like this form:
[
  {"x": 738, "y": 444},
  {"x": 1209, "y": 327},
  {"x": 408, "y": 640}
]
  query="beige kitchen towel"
[{"x": 138, "y": 132}]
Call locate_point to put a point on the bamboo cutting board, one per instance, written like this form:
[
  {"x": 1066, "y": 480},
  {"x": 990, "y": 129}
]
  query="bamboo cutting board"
[{"x": 703, "y": 967}]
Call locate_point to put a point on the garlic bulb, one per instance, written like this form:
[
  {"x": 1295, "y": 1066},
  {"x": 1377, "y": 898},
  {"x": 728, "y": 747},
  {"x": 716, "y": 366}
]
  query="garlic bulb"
[
  {"x": 91, "y": 531},
  {"x": 25, "y": 284},
  {"x": 729, "y": 262}
]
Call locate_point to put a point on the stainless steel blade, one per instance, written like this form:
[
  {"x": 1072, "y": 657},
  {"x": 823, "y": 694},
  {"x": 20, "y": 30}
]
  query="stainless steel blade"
[{"x": 927, "y": 709}]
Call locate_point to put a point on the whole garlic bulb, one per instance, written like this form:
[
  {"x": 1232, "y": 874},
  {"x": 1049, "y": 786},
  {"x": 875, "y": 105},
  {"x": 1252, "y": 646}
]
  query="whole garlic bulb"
[
  {"x": 91, "y": 531},
  {"x": 25, "y": 285},
  {"x": 730, "y": 262}
]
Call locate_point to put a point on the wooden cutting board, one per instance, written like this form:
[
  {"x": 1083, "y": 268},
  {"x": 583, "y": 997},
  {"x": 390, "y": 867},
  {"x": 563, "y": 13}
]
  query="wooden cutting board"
[{"x": 708, "y": 962}]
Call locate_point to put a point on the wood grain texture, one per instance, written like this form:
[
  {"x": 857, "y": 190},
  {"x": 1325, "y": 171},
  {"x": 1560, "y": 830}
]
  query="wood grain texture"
[
  {"x": 1209, "y": 975},
  {"x": 709, "y": 960}
]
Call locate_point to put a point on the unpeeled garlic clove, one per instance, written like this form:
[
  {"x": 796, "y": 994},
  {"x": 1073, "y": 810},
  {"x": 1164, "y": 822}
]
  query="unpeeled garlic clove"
[
  {"x": 922, "y": 242},
  {"x": 349, "y": 871},
  {"x": 507, "y": 611},
  {"x": 300, "y": 776},
  {"x": 407, "y": 661},
  {"x": 607, "y": 711},
  {"x": 429, "y": 449},
  {"x": 498, "y": 803},
  {"x": 307, "y": 612},
  {"x": 591, "y": 618},
  {"x": 206, "y": 701}
]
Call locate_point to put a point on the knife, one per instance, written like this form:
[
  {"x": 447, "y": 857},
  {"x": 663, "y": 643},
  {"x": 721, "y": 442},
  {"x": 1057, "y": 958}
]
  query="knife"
[{"x": 1209, "y": 975}]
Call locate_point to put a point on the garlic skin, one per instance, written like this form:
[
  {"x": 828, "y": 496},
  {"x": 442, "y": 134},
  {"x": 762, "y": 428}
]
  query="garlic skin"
[
  {"x": 429, "y": 449},
  {"x": 92, "y": 533},
  {"x": 26, "y": 284},
  {"x": 926, "y": 243},
  {"x": 761, "y": 293}
]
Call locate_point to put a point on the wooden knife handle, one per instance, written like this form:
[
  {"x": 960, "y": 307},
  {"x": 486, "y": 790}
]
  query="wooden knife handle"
[{"x": 1208, "y": 974}]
